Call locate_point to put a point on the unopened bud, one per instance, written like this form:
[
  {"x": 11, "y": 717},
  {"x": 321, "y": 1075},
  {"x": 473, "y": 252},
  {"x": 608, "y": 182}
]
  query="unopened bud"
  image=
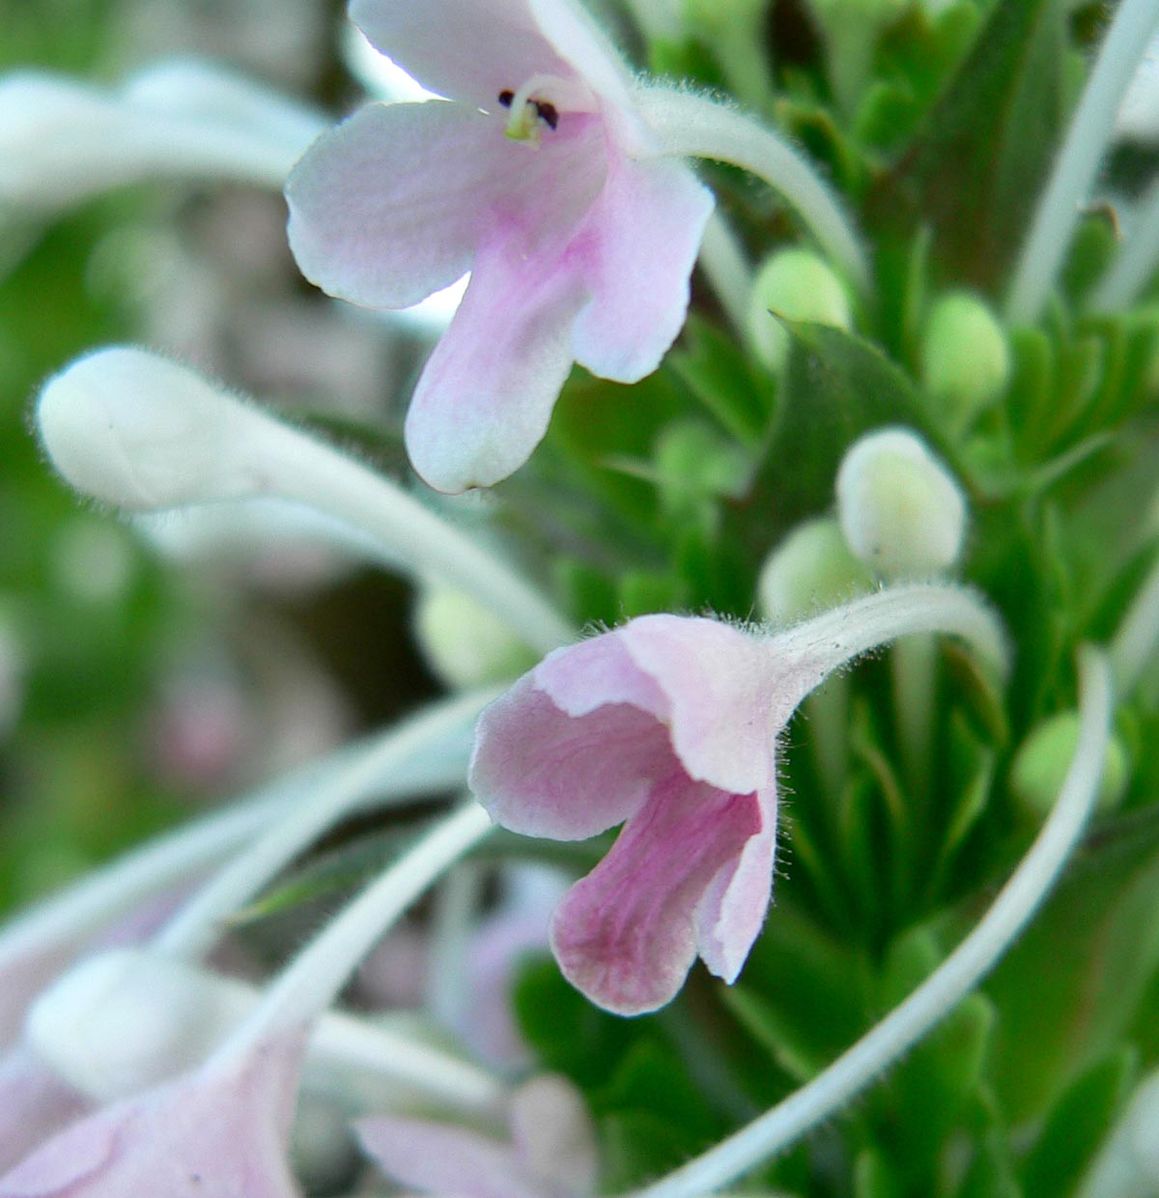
[
  {"x": 125, "y": 1020},
  {"x": 1041, "y": 764},
  {"x": 141, "y": 433},
  {"x": 965, "y": 358},
  {"x": 902, "y": 512},
  {"x": 464, "y": 644},
  {"x": 809, "y": 571},
  {"x": 1127, "y": 1166},
  {"x": 798, "y": 285}
]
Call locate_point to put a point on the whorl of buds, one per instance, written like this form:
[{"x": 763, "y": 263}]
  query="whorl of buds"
[
  {"x": 464, "y": 644},
  {"x": 811, "y": 570},
  {"x": 798, "y": 285},
  {"x": 964, "y": 357},
  {"x": 1041, "y": 763},
  {"x": 902, "y": 512}
]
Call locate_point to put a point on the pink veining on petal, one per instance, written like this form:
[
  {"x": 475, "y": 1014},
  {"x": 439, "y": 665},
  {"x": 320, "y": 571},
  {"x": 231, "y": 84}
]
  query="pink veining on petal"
[
  {"x": 670, "y": 725},
  {"x": 542, "y": 773},
  {"x": 580, "y": 243},
  {"x": 626, "y": 934}
]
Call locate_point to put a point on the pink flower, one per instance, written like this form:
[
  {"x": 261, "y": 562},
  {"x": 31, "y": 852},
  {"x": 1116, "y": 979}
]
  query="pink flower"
[
  {"x": 538, "y": 176},
  {"x": 669, "y": 725},
  {"x": 34, "y": 1104},
  {"x": 217, "y": 1133},
  {"x": 552, "y": 1152}
]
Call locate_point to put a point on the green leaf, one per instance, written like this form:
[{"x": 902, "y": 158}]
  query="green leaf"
[
  {"x": 836, "y": 387},
  {"x": 978, "y": 167},
  {"x": 1077, "y": 1125},
  {"x": 1069, "y": 988}
]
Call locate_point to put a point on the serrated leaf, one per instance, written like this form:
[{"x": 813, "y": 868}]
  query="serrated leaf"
[{"x": 836, "y": 387}]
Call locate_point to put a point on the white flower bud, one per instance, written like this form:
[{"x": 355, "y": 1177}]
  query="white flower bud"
[
  {"x": 125, "y": 1020},
  {"x": 141, "y": 433},
  {"x": 1044, "y": 757},
  {"x": 464, "y": 644},
  {"x": 809, "y": 571},
  {"x": 799, "y": 285},
  {"x": 902, "y": 512},
  {"x": 965, "y": 358}
]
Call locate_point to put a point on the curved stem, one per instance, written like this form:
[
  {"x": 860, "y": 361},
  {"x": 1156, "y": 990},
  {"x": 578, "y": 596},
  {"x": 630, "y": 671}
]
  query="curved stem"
[
  {"x": 1137, "y": 637},
  {"x": 856, "y": 1068},
  {"x": 827, "y": 642},
  {"x": 1136, "y": 261},
  {"x": 723, "y": 260},
  {"x": 694, "y": 126},
  {"x": 310, "y": 983},
  {"x": 196, "y": 927},
  {"x": 295, "y": 466},
  {"x": 1074, "y": 170}
]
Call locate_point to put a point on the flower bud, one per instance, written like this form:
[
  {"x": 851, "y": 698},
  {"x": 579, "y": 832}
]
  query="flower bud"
[
  {"x": 141, "y": 433},
  {"x": 798, "y": 285},
  {"x": 902, "y": 512},
  {"x": 809, "y": 571},
  {"x": 1127, "y": 1165},
  {"x": 463, "y": 643},
  {"x": 965, "y": 358},
  {"x": 1043, "y": 758},
  {"x": 125, "y": 1020}
]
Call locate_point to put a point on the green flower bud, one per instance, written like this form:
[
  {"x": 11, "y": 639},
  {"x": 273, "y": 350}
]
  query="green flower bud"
[
  {"x": 1042, "y": 760},
  {"x": 799, "y": 285},
  {"x": 965, "y": 358},
  {"x": 809, "y": 571},
  {"x": 463, "y": 643},
  {"x": 902, "y": 512}
]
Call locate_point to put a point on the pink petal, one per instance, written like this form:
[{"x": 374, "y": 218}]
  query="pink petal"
[
  {"x": 485, "y": 398},
  {"x": 737, "y": 900},
  {"x": 553, "y": 1135},
  {"x": 385, "y": 209},
  {"x": 626, "y": 934},
  {"x": 541, "y": 772},
  {"x": 213, "y": 1134},
  {"x": 720, "y": 688},
  {"x": 640, "y": 243},
  {"x": 467, "y": 49},
  {"x": 580, "y": 678},
  {"x": 445, "y": 1160},
  {"x": 34, "y": 1104}
]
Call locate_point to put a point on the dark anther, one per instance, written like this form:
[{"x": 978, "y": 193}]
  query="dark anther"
[{"x": 546, "y": 113}]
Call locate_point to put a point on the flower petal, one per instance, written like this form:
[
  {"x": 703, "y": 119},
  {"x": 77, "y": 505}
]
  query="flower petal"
[
  {"x": 485, "y": 397},
  {"x": 385, "y": 209},
  {"x": 578, "y": 40},
  {"x": 639, "y": 245},
  {"x": 467, "y": 49},
  {"x": 541, "y": 772},
  {"x": 627, "y": 933},
  {"x": 736, "y": 902},
  {"x": 553, "y": 1134},
  {"x": 580, "y": 678},
  {"x": 444, "y": 1159},
  {"x": 34, "y": 1104},
  {"x": 717, "y": 680}
]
